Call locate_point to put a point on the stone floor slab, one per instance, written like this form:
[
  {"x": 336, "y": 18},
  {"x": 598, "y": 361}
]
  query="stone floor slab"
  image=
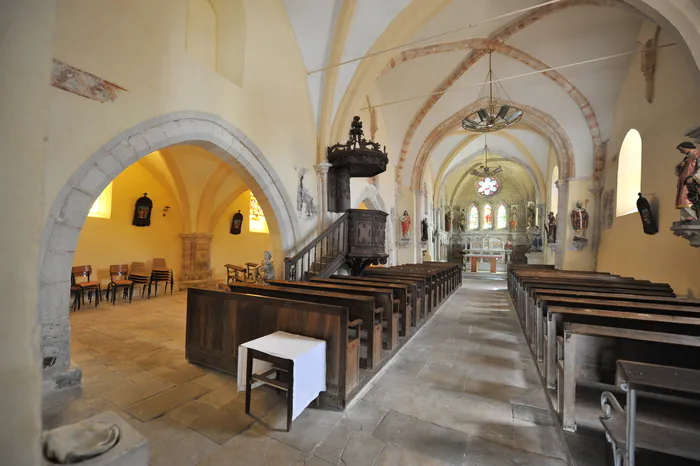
[{"x": 166, "y": 401}]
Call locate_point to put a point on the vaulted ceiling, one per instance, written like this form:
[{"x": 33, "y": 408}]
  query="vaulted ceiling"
[{"x": 424, "y": 89}]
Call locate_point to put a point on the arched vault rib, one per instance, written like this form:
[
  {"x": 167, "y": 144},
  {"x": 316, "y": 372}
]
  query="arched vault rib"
[
  {"x": 496, "y": 41},
  {"x": 539, "y": 120},
  {"x": 522, "y": 149}
]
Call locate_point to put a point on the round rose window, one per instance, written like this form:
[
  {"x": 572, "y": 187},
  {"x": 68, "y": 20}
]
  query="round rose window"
[{"x": 487, "y": 186}]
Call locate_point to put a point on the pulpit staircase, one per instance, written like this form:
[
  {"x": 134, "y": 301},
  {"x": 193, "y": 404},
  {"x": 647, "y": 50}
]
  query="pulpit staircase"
[{"x": 356, "y": 239}]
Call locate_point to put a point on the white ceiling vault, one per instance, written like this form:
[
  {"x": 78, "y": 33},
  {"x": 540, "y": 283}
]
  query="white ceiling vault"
[{"x": 569, "y": 111}]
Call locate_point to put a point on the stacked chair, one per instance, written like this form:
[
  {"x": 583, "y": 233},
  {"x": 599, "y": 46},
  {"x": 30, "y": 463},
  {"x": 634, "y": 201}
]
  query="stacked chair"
[
  {"x": 121, "y": 272},
  {"x": 161, "y": 273},
  {"x": 139, "y": 275},
  {"x": 81, "y": 283}
]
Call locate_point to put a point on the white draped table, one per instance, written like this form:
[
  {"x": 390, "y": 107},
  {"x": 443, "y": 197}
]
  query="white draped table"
[{"x": 307, "y": 354}]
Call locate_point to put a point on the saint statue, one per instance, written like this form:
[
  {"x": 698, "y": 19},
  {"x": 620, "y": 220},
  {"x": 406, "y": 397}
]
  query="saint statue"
[
  {"x": 579, "y": 220},
  {"x": 448, "y": 220},
  {"x": 462, "y": 221},
  {"x": 424, "y": 230},
  {"x": 551, "y": 228},
  {"x": 688, "y": 186},
  {"x": 536, "y": 239},
  {"x": 266, "y": 269},
  {"x": 513, "y": 221},
  {"x": 405, "y": 225}
]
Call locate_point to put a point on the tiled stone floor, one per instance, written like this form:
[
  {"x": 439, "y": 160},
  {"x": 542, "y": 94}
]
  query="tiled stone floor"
[{"x": 463, "y": 391}]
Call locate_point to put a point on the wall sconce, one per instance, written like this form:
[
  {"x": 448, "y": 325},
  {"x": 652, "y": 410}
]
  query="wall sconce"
[{"x": 165, "y": 210}]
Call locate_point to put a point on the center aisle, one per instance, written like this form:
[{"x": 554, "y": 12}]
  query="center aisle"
[{"x": 465, "y": 391}]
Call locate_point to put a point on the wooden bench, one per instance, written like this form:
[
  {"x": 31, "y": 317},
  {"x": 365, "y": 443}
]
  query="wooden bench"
[
  {"x": 560, "y": 367},
  {"x": 396, "y": 295},
  {"x": 383, "y": 297},
  {"x": 422, "y": 281},
  {"x": 626, "y": 433},
  {"x": 218, "y": 322},
  {"x": 412, "y": 290},
  {"x": 359, "y": 307}
]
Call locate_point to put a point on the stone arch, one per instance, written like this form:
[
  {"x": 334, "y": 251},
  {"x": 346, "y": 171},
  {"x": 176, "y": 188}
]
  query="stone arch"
[
  {"x": 69, "y": 209},
  {"x": 373, "y": 199},
  {"x": 535, "y": 118}
]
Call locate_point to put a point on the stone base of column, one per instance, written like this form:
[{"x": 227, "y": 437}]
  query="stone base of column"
[{"x": 61, "y": 379}]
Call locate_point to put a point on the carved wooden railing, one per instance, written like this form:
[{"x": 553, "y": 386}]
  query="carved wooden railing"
[{"x": 322, "y": 256}]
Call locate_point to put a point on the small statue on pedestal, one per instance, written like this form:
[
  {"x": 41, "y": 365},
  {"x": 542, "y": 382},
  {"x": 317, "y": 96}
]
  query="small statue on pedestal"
[
  {"x": 551, "y": 228},
  {"x": 579, "y": 220},
  {"x": 536, "y": 245},
  {"x": 266, "y": 270},
  {"x": 688, "y": 186},
  {"x": 448, "y": 220},
  {"x": 513, "y": 221},
  {"x": 405, "y": 225},
  {"x": 462, "y": 221},
  {"x": 424, "y": 230}
]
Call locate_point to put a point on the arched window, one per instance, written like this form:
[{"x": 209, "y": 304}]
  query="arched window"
[
  {"x": 102, "y": 208},
  {"x": 473, "y": 217},
  {"x": 554, "y": 194},
  {"x": 487, "y": 223},
  {"x": 629, "y": 173},
  {"x": 501, "y": 217},
  {"x": 256, "y": 217}
]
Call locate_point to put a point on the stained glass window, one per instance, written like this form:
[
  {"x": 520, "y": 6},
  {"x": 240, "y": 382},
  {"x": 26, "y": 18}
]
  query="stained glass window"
[
  {"x": 501, "y": 217},
  {"x": 487, "y": 186},
  {"x": 473, "y": 218},
  {"x": 256, "y": 217},
  {"x": 488, "y": 217}
]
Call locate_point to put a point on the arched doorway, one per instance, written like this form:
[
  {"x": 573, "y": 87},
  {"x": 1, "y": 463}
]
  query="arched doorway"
[{"x": 70, "y": 208}]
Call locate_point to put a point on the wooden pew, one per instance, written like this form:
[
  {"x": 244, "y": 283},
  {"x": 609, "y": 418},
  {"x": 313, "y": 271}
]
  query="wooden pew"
[
  {"x": 218, "y": 322},
  {"x": 396, "y": 295},
  {"x": 413, "y": 290},
  {"x": 618, "y": 321},
  {"x": 359, "y": 307},
  {"x": 384, "y": 298},
  {"x": 421, "y": 281},
  {"x": 429, "y": 279},
  {"x": 567, "y": 367}
]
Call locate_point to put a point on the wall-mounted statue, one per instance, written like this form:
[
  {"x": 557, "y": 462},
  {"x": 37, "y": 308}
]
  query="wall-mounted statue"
[
  {"x": 305, "y": 201},
  {"x": 579, "y": 220},
  {"x": 405, "y": 225},
  {"x": 462, "y": 221},
  {"x": 688, "y": 186},
  {"x": 448, "y": 220},
  {"x": 514, "y": 221},
  {"x": 424, "y": 230},
  {"x": 536, "y": 240},
  {"x": 551, "y": 228}
]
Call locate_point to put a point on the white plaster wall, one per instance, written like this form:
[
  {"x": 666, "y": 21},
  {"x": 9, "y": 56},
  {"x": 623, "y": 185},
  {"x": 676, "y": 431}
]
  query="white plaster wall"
[
  {"x": 272, "y": 108},
  {"x": 26, "y": 29}
]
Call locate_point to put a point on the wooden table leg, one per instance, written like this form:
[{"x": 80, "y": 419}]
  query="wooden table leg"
[
  {"x": 493, "y": 264},
  {"x": 473, "y": 264}
]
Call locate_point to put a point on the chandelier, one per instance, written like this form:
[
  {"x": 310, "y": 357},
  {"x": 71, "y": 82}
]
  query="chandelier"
[
  {"x": 483, "y": 170},
  {"x": 498, "y": 113}
]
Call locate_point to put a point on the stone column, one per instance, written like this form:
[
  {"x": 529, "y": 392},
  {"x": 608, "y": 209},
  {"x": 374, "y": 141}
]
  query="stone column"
[
  {"x": 562, "y": 222},
  {"x": 26, "y": 49},
  {"x": 196, "y": 256},
  {"x": 322, "y": 194},
  {"x": 419, "y": 214}
]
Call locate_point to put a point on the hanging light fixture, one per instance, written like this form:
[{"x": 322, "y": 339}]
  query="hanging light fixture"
[
  {"x": 498, "y": 113},
  {"x": 484, "y": 170}
]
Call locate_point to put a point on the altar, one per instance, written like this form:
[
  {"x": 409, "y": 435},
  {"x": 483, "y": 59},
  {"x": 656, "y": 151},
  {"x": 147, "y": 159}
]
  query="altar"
[{"x": 492, "y": 258}]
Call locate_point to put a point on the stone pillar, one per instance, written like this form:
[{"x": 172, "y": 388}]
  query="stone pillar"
[
  {"x": 26, "y": 48},
  {"x": 196, "y": 256},
  {"x": 562, "y": 222},
  {"x": 322, "y": 195}
]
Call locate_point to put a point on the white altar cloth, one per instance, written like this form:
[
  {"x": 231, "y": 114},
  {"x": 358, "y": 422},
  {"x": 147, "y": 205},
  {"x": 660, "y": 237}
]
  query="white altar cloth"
[{"x": 308, "y": 354}]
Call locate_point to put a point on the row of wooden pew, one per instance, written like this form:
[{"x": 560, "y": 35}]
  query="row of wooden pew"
[
  {"x": 364, "y": 319},
  {"x": 581, "y": 324}
]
